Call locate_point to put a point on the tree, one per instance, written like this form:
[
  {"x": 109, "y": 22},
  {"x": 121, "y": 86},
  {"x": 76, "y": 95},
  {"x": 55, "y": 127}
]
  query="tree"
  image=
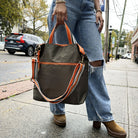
[
  {"x": 113, "y": 43},
  {"x": 128, "y": 39},
  {"x": 35, "y": 14},
  {"x": 125, "y": 39},
  {"x": 10, "y": 13},
  {"x": 103, "y": 39},
  {"x": 114, "y": 36},
  {"x": 122, "y": 39}
]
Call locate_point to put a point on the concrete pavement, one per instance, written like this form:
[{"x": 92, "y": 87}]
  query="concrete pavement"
[
  {"x": 14, "y": 68},
  {"x": 22, "y": 117}
]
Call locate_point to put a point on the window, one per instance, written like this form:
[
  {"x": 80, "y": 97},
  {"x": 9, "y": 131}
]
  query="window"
[
  {"x": 40, "y": 40},
  {"x": 15, "y": 36},
  {"x": 34, "y": 38},
  {"x": 27, "y": 37}
]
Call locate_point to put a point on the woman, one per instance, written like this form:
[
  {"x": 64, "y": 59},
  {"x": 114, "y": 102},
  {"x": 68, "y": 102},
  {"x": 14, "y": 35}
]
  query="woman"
[{"x": 85, "y": 21}]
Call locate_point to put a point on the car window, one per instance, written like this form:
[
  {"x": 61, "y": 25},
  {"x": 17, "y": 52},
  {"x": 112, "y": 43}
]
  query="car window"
[
  {"x": 34, "y": 38},
  {"x": 40, "y": 40},
  {"x": 28, "y": 37},
  {"x": 15, "y": 36},
  {"x": 25, "y": 36}
]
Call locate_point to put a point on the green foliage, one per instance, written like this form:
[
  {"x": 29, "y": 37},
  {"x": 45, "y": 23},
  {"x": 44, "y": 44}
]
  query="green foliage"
[
  {"x": 103, "y": 39},
  {"x": 122, "y": 39},
  {"x": 36, "y": 14},
  {"x": 128, "y": 39},
  {"x": 10, "y": 13},
  {"x": 114, "y": 35},
  {"x": 43, "y": 35},
  {"x": 125, "y": 38}
]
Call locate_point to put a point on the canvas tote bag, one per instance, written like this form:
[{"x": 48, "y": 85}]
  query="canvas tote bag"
[{"x": 60, "y": 71}]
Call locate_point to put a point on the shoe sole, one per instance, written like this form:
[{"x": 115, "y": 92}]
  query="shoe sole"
[
  {"x": 97, "y": 125},
  {"x": 60, "y": 124},
  {"x": 113, "y": 134}
]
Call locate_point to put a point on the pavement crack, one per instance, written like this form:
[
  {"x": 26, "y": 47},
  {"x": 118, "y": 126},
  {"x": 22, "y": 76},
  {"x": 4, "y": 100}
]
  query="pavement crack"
[
  {"x": 45, "y": 107},
  {"x": 29, "y": 103},
  {"x": 122, "y": 85},
  {"x": 128, "y": 106},
  {"x": 76, "y": 113}
]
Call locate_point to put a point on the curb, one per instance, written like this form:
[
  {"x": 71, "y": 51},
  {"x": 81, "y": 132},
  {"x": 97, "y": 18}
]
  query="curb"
[
  {"x": 15, "y": 88},
  {"x": 15, "y": 81}
]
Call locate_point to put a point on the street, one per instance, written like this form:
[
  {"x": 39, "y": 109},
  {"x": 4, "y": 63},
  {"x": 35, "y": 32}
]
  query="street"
[{"x": 14, "y": 67}]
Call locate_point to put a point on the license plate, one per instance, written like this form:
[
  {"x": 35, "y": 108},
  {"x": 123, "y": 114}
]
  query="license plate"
[{"x": 11, "y": 41}]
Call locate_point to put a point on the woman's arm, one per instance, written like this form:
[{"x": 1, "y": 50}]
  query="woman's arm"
[
  {"x": 99, "y": 18},
  {"x": 97, "y": 5}
]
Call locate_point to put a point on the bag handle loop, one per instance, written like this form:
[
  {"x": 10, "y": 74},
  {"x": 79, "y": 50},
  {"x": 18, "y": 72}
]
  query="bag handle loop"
[
  {"x": 67, "y": 31},
  {"x": 72, "y": 84}
]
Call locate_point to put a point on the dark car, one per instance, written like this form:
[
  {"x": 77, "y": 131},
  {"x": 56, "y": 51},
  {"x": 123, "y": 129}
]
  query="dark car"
[{"x": 22, "y": 42}]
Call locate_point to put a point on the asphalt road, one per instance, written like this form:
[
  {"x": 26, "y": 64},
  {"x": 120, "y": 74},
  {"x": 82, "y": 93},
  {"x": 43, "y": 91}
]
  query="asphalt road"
[{"x": 14, "y": 67}]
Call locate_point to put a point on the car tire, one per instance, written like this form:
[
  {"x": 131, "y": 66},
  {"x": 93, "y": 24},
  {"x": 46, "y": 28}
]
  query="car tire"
[
  {"x": 11, "y": 52},
  {"x": 30, "y": 51}
]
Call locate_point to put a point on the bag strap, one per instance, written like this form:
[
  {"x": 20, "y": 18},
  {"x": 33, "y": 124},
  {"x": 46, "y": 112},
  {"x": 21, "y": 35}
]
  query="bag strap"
[
  {"x": 67, "y": 31},
  {"x": 79, "y": 68}
]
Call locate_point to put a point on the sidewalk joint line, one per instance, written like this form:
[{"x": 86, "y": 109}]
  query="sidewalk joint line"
[
  {"x": 128, "y": 106},
  {"x": 122, "y": 85},
  {"x": 29, "y": 103}
]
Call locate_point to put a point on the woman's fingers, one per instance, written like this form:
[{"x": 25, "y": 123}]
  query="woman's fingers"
[
  {"x": 101, "y": 25},
  {"x": 99, "y": 19},
  {"x": 61, "y": 13}
]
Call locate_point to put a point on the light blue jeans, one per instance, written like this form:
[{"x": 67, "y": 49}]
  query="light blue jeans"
[{"x": 82, "y": 23}]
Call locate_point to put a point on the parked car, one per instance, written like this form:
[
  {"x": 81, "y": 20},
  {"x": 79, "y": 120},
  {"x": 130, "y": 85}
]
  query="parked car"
[
  {"x": 2, "y": 45},
  {"x": 22, "y": 42},
  {"x": 126, "y": 56}
]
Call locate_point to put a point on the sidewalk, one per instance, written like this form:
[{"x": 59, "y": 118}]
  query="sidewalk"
[
  {"x": 22, "y": 117},
  {"x": 15, "y": 88}
]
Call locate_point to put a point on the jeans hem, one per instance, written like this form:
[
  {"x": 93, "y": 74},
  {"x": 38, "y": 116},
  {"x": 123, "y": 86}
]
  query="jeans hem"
[
  {"x": 58, "y": 113},
  {"x": 103, "y": 120}
]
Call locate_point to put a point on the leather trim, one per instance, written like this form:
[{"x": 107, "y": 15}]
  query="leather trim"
[
  {"x": 67, "y": 31},
  {"x": 55, "y": 63}
]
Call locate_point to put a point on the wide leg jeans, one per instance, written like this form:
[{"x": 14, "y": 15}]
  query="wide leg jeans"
[{"x": 82, "y": 23}]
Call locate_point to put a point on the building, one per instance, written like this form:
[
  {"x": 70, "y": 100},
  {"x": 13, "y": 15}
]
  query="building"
[
  {"x": 134, "y": 42},
  {"x": 15, "y": 29}
]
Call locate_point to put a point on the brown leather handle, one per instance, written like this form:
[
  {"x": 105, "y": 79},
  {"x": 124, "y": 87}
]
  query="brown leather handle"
[{"x": 67, "y": 31}]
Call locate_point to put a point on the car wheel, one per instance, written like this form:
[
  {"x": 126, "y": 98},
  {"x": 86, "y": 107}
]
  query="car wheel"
[
  {"x": 30, "y": 51},
  {"x": 11, "y": 52}
]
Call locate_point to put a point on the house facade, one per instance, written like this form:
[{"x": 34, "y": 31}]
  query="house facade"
[{"x": 134, "y": 42}]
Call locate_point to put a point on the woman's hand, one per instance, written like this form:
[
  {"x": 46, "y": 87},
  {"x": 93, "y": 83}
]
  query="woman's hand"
[
  {"x": 61, "y": 13},
  {"x": 99, "y": 19}
]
